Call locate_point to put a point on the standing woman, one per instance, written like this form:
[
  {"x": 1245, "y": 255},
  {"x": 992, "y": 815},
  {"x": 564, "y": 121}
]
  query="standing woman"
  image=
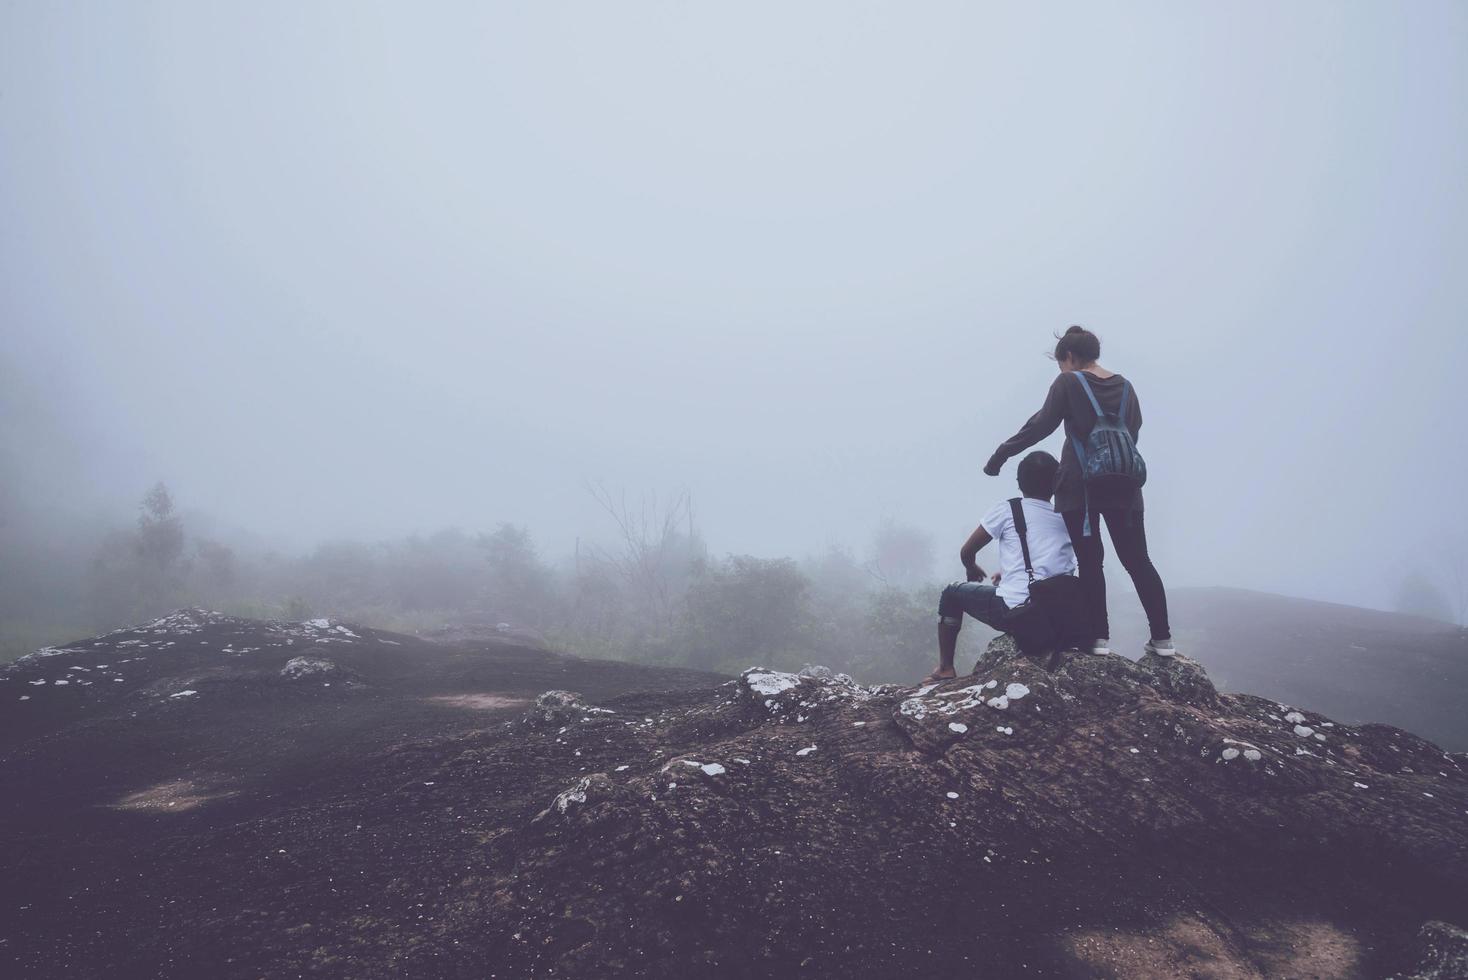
[{"x": 1085, "y": 393}]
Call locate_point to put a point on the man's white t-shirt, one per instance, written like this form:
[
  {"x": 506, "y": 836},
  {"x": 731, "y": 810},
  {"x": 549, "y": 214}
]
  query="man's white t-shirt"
[{"x": 1050, "y": 550}]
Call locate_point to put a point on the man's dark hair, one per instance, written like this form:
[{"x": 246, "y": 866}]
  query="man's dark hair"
[
  {"x": 1037, "y": 473},
  {"x": 1080, "y": 343}
]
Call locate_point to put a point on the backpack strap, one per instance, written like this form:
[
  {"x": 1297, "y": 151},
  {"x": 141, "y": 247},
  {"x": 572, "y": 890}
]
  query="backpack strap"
[
  {"x": 1080, "y": 447},
  {"x": 1020, "y": 527},
  {"x": 1086, "y": 387},
  {"x": 1126, "y": 396}
]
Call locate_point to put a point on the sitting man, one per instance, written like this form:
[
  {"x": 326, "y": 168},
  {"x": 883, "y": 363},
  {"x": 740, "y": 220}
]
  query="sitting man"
[{"x": 1050, "y": 555}]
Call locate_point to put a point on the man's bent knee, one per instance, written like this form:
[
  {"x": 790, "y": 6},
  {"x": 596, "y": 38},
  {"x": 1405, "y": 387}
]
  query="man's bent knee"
[{"x": 950, "y": 606}]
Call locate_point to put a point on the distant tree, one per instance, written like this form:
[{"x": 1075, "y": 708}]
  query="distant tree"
[
  {"x": 902, "y": 557},
  {"x": 139, "y": 575},
  {"x": 836, "y": 576},
  {"x": 745, "y": 611},
  {"x": 217, "y": 565},
  {"x": 1457, "y": 562},
  {"x": 841, "y": 590},
  {"x": 340, "y": 578},
  {"x": 657, "y": 553},
  {"x": 521, "y": 588},
  {"x": 1420, "y": 596},
  {"x": 902, "y": 630},
  {"x": 443, "y": 573},
  {"x": 595, "y": 620},
  {"x": 160, "y": 540},
  {"x": 114, "y": 587}
]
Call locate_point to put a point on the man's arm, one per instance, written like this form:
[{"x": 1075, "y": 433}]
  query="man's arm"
[
  {"x": 1040, "y": 425},
  {"x": 969, "y": 553}
]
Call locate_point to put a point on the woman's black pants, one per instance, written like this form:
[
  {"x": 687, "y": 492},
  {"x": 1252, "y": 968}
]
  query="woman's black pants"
[{"x": 1129, "y": 538}]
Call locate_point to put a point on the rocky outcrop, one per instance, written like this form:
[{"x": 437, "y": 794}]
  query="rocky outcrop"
[
  {"x": 796, "y": 819},
  {"x": 178, "y": 808}
]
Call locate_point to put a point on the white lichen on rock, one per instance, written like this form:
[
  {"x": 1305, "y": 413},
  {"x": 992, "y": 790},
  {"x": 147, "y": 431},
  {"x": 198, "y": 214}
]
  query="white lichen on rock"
[
  {"x": 914, "y": 708},
  {"x": 576, "y": 794},
  {"x": 298, "y": 667},
  {"x": 767, "y": 683}
]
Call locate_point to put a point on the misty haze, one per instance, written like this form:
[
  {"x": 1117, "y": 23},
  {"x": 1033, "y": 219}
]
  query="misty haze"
[{"x": 411, "y": 414}]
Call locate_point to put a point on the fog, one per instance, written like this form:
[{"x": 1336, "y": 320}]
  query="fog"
[{"x": 363, "y": 271}]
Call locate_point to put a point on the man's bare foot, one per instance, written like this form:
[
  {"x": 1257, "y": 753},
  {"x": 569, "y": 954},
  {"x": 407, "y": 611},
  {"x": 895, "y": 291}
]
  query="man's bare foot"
[{"x": 940, "y": 675}]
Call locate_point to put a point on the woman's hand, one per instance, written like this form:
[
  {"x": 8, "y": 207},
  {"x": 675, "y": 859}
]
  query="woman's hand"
[
  {"x": 996, "y": 577},
  {"x": 994, "y": 465}
]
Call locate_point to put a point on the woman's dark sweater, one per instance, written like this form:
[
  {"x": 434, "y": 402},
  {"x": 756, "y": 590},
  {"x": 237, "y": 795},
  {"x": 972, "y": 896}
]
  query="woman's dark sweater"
[{"x": 1067, "y": 402}]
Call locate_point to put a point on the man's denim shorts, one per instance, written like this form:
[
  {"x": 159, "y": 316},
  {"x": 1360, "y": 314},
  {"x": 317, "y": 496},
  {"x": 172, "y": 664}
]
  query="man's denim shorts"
[{"x": 980, "y": 601}]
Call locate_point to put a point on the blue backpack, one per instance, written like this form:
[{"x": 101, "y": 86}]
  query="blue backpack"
[{"x": 1110, "y": 463}]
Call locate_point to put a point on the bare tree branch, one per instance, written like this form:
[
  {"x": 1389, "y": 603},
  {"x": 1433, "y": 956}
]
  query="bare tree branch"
[{"x": 650, "y": 547}]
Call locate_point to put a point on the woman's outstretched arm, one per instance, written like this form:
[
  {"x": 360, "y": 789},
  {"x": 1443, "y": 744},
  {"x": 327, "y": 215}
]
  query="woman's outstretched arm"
[{"x": 1040, "y": 425}]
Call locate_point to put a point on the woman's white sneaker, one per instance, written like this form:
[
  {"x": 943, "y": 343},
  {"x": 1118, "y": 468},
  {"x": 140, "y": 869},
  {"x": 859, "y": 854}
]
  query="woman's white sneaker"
[
  {"x": 1101, "y": 647},
  {"x": 1160, "y": 648}
]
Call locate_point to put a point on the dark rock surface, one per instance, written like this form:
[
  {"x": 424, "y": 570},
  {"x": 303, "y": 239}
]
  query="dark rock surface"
[
  {"x": 1354, "y": 664},
  {"x": 1442, "y": 953},
  {"x": 507, "y": 813}
]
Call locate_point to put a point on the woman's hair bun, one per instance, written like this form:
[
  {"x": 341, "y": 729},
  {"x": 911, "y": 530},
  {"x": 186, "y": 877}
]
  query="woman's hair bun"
[{"x": 1077, "y": 342}]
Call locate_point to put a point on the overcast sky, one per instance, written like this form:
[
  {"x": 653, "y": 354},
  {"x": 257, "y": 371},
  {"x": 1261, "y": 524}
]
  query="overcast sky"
[{"x": 361, "y": 269}]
